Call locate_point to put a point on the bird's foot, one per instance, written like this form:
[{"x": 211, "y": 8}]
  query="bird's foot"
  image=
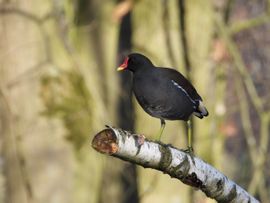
[{"x": 190, "y": 151}]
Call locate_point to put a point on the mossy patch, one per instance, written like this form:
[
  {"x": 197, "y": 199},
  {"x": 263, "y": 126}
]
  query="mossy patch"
[
  {"x": 181, "y": 170},
  {"x": 66, "y": 96},
  {"x": 166, "y": 157}
]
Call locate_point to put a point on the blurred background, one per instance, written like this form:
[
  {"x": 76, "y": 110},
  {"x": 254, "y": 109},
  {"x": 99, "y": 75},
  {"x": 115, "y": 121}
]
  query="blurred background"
[{"x": 59, "y": 87}]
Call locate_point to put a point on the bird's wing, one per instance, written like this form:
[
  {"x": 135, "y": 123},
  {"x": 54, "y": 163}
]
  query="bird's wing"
[{"x": 181, "y": 82}]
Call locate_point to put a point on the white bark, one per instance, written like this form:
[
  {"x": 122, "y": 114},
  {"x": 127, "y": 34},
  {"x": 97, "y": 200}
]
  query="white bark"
[{"x": 174, "y": 162}]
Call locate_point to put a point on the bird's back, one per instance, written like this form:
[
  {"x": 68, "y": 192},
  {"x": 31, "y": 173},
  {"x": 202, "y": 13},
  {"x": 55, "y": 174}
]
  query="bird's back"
[{"x": 179, "y": 79}]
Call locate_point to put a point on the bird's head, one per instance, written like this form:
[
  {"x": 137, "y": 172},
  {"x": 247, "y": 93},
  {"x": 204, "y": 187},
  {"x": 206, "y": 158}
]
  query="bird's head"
[{"x": 134, "y": 62}]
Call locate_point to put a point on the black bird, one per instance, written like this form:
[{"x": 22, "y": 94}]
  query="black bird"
[{"x": 163, "y": 93}]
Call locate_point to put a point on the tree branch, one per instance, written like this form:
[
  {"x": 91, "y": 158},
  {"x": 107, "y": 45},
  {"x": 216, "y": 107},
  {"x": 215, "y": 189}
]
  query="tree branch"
[{"x": 174, "y": 162}]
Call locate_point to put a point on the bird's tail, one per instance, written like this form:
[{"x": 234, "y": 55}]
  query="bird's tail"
[{"x": 201, "y": 111}]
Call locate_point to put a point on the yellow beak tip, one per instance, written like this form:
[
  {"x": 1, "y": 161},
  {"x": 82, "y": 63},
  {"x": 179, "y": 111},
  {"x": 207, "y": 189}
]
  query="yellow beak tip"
[{"x": 120, "y": 68}]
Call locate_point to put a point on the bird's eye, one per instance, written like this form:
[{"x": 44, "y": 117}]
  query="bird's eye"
[
  {"x": 131, "y": 61},
  {"x": 135, "y": 61}
]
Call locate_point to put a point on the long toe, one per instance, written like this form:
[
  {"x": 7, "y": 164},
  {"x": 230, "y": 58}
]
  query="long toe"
[{"x": 190, "y": 151}]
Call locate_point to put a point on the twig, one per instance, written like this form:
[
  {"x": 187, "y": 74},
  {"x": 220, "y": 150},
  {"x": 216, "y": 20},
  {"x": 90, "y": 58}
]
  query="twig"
[
  {"x": 26, "y": 75},
  {"x": 183, "y": 37},
  {"x": 13, "y": 154},
  {"x": 240, "y": 65},
  {"x": 174, "y": 162},
  {"x": 246, "y": 120},
  {"x": 248, "y": 24},
  {"x": 38, "y": 21},
  {"x": 166, "y": 28},
  {"x": 7, "y": 10},
  {"x": 257, "y": 156},
  {"x": 259, "y": 165}
]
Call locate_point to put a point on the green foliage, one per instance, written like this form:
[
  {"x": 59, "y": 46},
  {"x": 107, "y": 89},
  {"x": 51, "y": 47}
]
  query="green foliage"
[{"x": 67, "y": 97}]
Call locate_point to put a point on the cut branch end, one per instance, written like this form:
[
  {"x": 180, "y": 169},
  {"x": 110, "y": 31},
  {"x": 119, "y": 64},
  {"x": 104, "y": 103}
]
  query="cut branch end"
[{"x": 105, "y": 142}]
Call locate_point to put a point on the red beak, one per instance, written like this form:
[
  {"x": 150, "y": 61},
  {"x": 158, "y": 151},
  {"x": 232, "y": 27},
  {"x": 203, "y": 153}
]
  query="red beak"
[{"x": 124, "y": 65}]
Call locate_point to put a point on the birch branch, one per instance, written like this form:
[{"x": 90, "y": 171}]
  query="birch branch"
[{"x": 174, "y": 162}]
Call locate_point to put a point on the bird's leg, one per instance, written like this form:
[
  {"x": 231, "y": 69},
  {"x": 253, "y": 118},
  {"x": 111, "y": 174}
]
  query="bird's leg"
[
  {"x": 189, "y": 150},
  {"x": 162, "y": 122},
  {"x": 189, "y": 138}
]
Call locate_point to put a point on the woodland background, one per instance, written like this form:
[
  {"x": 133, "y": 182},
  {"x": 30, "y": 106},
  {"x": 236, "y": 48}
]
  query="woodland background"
[{"x": 59, "y": 87}]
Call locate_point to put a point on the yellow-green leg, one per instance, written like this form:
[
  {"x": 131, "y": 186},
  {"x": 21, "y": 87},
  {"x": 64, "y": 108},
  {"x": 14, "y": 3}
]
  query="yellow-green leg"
[
  {"x": 162, "y": 122},
  {"x": 189, "y": 134}
]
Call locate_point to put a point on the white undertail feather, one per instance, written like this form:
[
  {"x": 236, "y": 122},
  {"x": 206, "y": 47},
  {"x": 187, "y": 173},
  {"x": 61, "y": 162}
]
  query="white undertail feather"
[
  {"x": 201, "y": 110},
  {"x": 197, "y": 114}
]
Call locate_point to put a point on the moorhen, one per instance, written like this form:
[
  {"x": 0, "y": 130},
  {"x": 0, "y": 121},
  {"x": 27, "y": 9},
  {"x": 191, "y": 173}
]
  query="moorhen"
[{"x": 163, "y": 93}]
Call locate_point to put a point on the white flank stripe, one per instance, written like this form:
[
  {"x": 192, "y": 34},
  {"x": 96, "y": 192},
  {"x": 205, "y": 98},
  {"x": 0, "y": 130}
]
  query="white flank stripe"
[{"x": 181, "y": 88}]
